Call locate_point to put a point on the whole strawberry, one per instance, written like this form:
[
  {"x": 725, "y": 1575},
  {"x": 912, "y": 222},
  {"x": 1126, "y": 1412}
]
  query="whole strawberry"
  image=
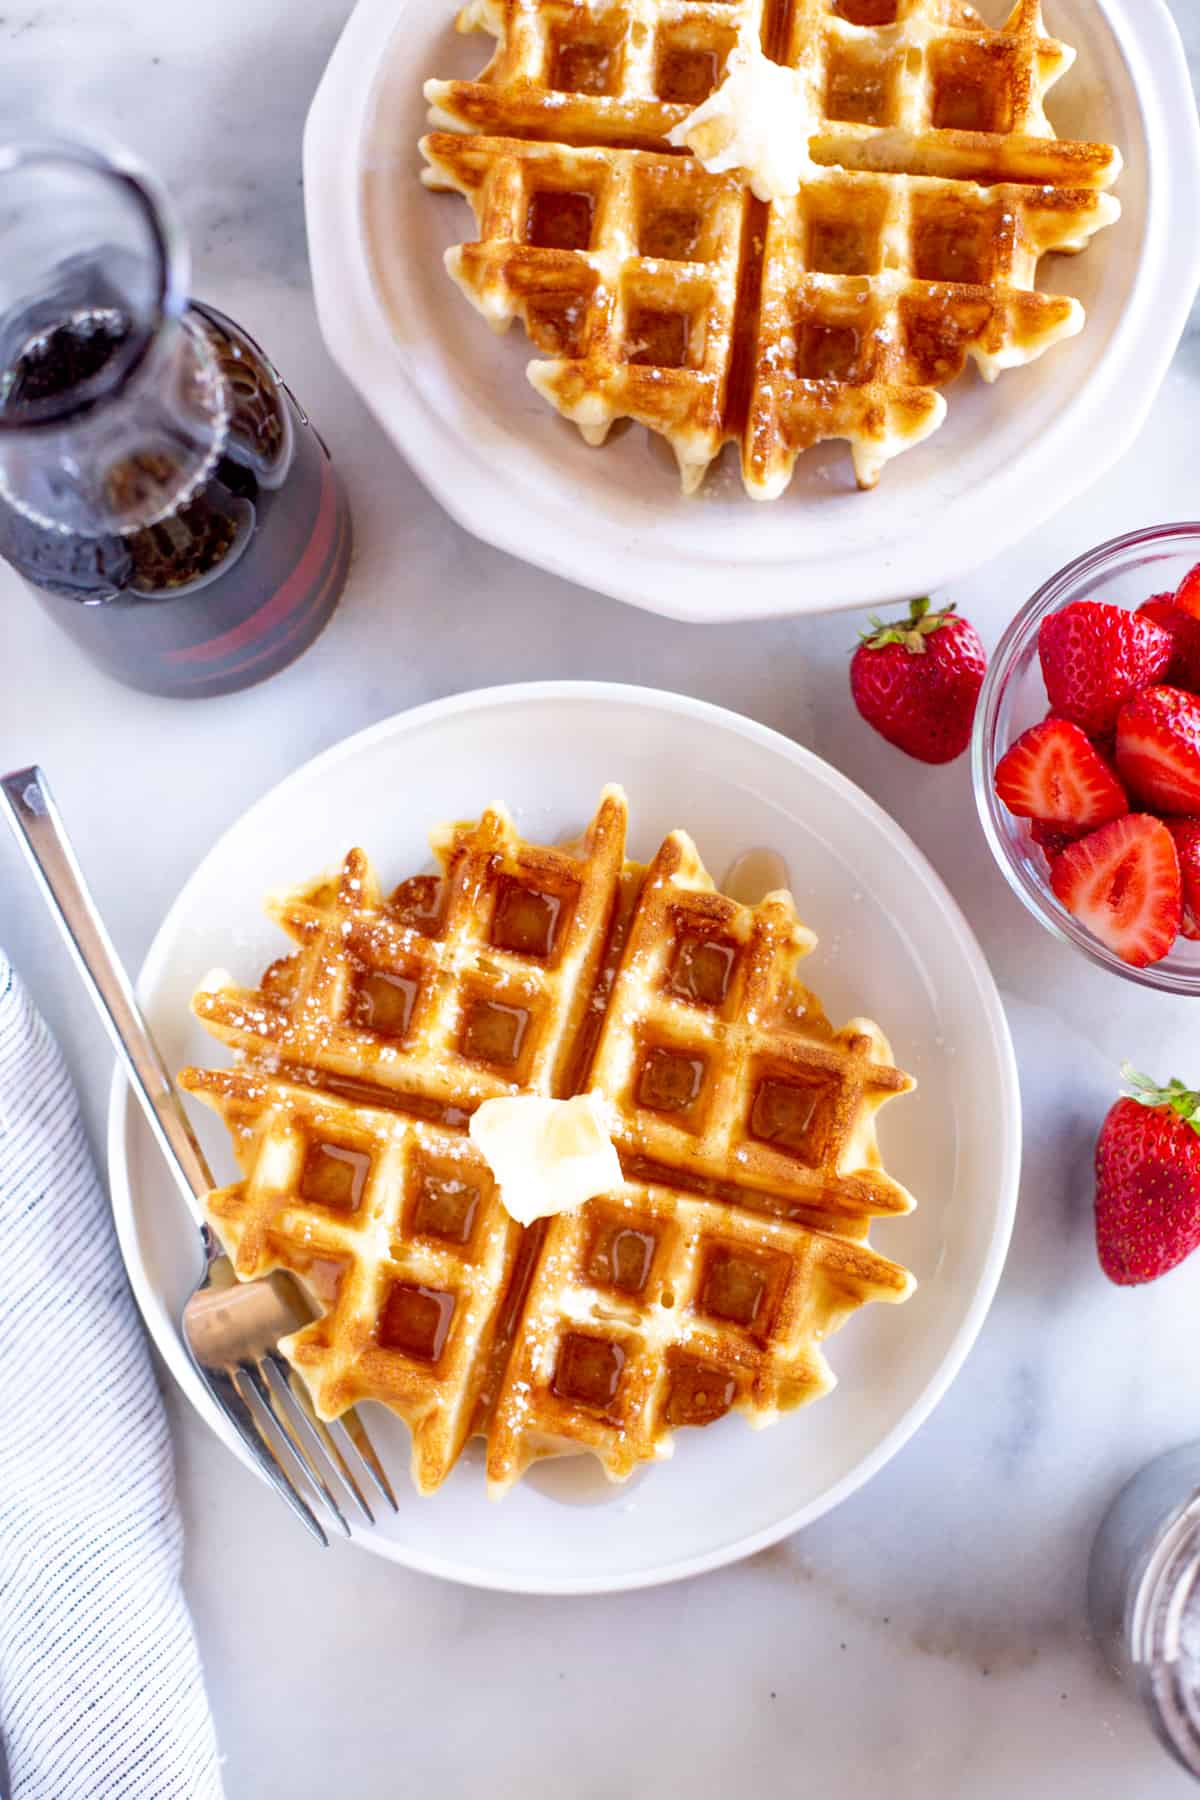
[
  {"x": 1094, "y": 657},
  {"x": 1187, "y": 594},
  {"x": 917, "y": 681},
  {"x": 1148, "y": 1181},
  {"x": 1183, "y": 629}
]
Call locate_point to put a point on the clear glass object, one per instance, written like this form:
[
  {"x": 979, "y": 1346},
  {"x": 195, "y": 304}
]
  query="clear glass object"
[
  {"x": 161, "y": 490},
  {"x": 1144, "y": 1596},
  {"x": 1124, "y": 572}
]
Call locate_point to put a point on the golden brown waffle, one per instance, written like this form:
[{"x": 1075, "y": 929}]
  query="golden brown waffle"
[
  {"x": 736, "y": 1241},
  {"x": 659, "y": 292},
  {"x": 721, "y": 1069},
  {"x": 394, "y": 1226},
  {"x": 652, "y": 1308}
]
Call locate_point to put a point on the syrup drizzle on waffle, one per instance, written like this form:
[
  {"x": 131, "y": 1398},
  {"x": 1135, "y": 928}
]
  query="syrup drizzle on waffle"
[
  {"x": 736, "y": 1241},
  {"x": 659, "y": 292}
]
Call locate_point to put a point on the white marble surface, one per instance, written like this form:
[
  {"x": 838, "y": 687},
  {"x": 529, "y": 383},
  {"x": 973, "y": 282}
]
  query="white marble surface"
[{"x": 929, "y": 1637}]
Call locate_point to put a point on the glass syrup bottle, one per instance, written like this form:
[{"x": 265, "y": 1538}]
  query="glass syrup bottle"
[{"x": 161, "y": 491}]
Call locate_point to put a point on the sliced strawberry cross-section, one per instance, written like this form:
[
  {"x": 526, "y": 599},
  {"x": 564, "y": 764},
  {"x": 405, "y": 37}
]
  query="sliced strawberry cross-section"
[
  {"x": 1158, "y": 749},
  {"x": 1095, "y": 656},
  {"x": 1053, "y": 773},
  {"x": 1186, "y": 833},
  {"x": 1123, "y": 883}
]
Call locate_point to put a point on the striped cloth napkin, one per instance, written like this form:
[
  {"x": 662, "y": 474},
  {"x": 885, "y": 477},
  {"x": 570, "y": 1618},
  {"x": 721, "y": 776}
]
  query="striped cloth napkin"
[{"x": 101, "y": 1693}]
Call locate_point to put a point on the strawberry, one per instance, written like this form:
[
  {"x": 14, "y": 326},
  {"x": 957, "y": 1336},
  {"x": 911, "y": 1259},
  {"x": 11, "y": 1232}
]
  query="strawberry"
[
  {"x": 1183, "y": 628},
  {"x": 1148, "y": 1181},
  {"x": 1186, "y": 833},
  {"x": 1123, "y": 883},
  {"x": 1158, "y": 749},
  {"x": 917, "y": 682},
  {"x": 1051, "y": 840},
  {"x": 1052, "y": 773},
  {"x": 1094, "y": 657},
  {"x": 1187, "y": 594},
  {"x": 1105, "y": 746}
]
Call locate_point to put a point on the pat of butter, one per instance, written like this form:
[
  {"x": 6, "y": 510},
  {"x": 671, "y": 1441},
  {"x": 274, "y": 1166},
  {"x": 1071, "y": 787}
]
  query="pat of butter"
[
  {"x": 758, "y": 120},
  {"x": 547, "y": 1155}
]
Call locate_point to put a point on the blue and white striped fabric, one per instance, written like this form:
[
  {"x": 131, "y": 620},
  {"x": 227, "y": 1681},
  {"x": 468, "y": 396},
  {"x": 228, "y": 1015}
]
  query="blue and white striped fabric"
[{"x": 101, "y": 1693}]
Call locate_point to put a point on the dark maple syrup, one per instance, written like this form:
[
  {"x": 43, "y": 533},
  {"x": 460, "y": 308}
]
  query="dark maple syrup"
[
  {"x": 416, "y": 1320},
  {"x": 240, "y": 576},
  {"x": 334, "y": 1176},
  {"x": 383, "y": 1003}
]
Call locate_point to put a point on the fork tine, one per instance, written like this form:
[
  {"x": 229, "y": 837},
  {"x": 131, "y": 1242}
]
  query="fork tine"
[
  {"x": 350, "y": 1435},
  {"x": 277, "y": 1397},
  {"x": 320, "y": 1453},
  {"x": 316, "y": 1428},
  {"x": 237, "y": 1407}
]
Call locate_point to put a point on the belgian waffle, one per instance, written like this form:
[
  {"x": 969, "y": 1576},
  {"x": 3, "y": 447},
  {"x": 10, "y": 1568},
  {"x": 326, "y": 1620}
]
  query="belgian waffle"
[
  {"x": 660, "y": 292},
  {"x": 707, "y": 1281}
]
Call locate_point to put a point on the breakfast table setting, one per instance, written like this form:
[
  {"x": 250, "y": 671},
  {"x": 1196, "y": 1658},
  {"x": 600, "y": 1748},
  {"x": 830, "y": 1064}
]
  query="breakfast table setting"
[{"x": 928, "y": 1591}]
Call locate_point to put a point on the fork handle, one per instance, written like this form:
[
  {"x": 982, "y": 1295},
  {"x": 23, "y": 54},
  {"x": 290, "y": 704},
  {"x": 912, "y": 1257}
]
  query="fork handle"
[{"x": 35, "y": 819}]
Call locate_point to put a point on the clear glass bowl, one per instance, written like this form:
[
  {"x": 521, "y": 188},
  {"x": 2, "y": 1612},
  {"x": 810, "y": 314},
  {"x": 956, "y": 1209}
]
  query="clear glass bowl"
[{"x": 1125, "y": 572}]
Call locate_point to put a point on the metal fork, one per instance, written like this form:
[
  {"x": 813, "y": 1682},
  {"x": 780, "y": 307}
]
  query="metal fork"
[{"x": 231, "y": 1328}]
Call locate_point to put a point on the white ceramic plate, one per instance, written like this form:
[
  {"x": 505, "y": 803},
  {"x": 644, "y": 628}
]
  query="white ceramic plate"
[
  {"x": 455, "y": 398},
  {"x": 893, "y": 945}
]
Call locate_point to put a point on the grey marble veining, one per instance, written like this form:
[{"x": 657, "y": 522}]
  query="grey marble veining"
[{"x": 926, "y": 1639}]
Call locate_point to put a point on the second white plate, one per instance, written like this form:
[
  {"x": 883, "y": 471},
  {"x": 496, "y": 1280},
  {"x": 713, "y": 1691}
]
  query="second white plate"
[
  {"x": 893, "y": 945},
  {"x": 456, "y": 401}
]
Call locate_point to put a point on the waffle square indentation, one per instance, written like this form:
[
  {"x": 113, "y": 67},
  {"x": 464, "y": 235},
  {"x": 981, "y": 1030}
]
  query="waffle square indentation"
[
  {"x": 621, "y": 1255},
  {"x": 702, "y": 969},
  {"x": 670, "y": 1081},
  {"x": 416, "y": 1320},
  {"x": 971, "y": 88},
  {"x": 742, "y": 1287},
  {"x": 953, "y": 243},
  {"x": 526, "y": 920},
  {"x": 583, "y": 65},
  {"x": 671, "y": 233},
  {"x": 656, "y": 338},
  {"x": 383, "y": 1002},
  {"x": 444, "y": 1199},
  {"x": 793, "y": 1112},
  {"x": 493, "y": 1032},
  {"x": 685, "y": 74},
  {"x": 559, "y": 219},
  {"x": 588, "y": 1370},
  {"x": 866, "y": 12},
  {"x": 557, "y": 321},
  {"x": 832, "y": 351},
  {"x": 858, "y": 88},
  {"x": 698, "y": 1393},
  {"x": 334, "y": 1175}
]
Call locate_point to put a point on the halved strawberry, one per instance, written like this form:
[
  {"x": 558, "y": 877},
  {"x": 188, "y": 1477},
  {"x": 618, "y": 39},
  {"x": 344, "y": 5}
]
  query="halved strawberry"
[
  {"x": 1187, "y": 594},
  {"x": 1123, "y": 883},
  {"x": 1094, "y": 657},
  {"x": 1158, "y": 749},
  {"x": 1186, "y": 833},
  {"x": 1054, "y": 774},
  {"x": 1184, "y": 631}
]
